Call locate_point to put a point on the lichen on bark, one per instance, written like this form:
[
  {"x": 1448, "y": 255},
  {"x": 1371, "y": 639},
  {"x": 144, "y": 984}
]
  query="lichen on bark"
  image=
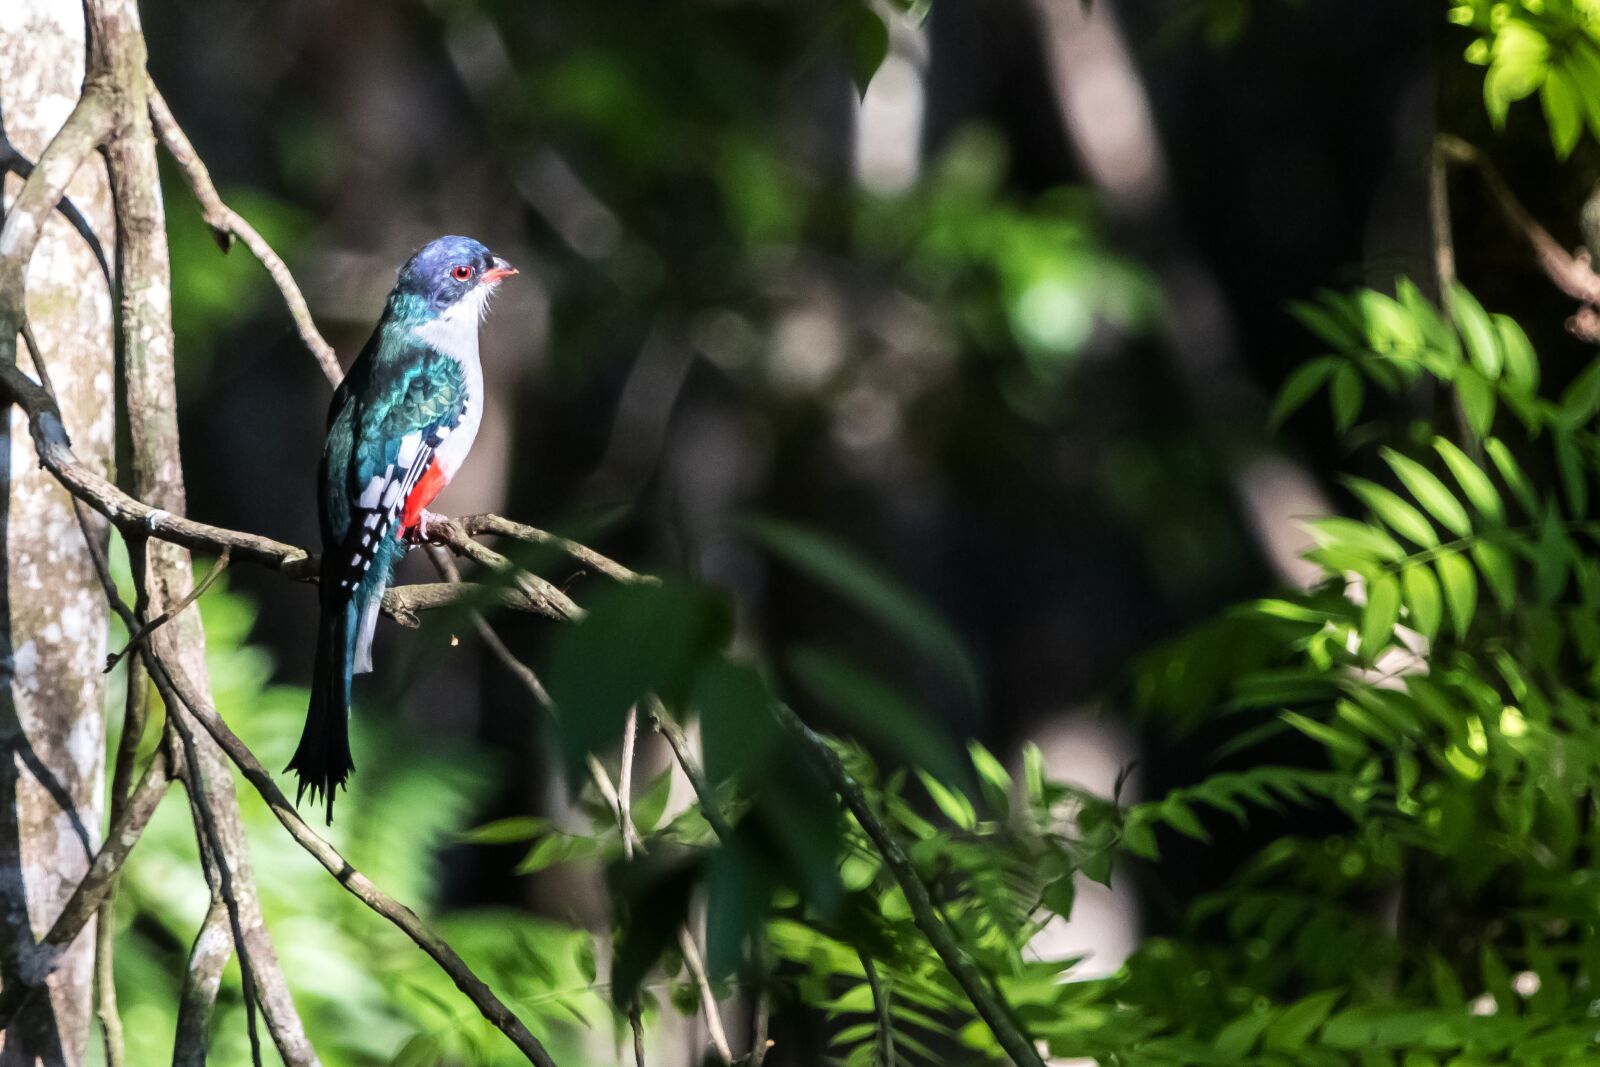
[{"x": 52, "y": 615}]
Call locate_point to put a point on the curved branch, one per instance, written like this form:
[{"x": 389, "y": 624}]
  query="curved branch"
[
  {"x": 356, "y": 883},
  {"x": 226, "y": 224}
]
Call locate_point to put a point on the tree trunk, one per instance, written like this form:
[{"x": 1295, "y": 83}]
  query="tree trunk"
[{"x": 52, "y": 613}]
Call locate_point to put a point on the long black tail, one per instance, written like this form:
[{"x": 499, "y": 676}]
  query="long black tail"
[{"x": 323, "y": 759}]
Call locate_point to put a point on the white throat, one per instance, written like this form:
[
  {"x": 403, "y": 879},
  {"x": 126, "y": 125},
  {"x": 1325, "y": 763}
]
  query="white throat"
[{"x": 455, "y": 333}]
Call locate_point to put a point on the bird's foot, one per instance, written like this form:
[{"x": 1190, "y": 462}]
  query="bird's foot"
[{"x": 417, "y": 534}]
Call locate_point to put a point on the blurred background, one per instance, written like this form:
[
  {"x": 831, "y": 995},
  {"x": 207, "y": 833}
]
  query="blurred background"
[{"x": 991, "y": 291}]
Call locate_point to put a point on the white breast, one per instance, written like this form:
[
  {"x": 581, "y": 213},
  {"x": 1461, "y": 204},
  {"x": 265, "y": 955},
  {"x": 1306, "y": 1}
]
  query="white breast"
[{"x": 455, "y": 333}]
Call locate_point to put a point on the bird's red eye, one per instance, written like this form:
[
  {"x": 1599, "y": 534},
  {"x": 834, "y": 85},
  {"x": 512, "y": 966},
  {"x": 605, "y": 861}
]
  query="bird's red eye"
[{"x": 461, "y": 272}]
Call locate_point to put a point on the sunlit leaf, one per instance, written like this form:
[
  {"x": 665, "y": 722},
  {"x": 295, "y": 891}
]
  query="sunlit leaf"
[
  {"x": 1394, "y": 512},
  {"x": 1475, "y": 484},
  {"x": 1483, "y": 345},
  {"x": 1430, "y": 491},
  {"x": 1379, "y": 615},
  {"x": 1521, "y": 364},
  {"x": 1423, "y": 598}
]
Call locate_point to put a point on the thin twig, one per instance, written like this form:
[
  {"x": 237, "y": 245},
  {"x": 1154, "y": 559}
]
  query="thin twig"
[
  {"x": 177, "y": 609},
  {"x": 760, "y": 1044},
  {"x": 226, "y": 224},
  {"x": 623, "y": 802},
  {"x": 217, "y": 867},
  {"x": 1444, "y": 249},
  {"x": 880, "y": 1003},
  {"x": 708, "y": 997},
  {"x": 691, "y": 770}
]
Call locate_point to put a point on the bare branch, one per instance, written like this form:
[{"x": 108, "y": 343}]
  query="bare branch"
[
  {"x": 1571, "y": 274},
  {"x": 708, "y": 998},
  {"x": 91, "y": 120},
  {"x": 691, "y": 770},
  {"x": 356, "y": 883},
  {"x": 226, "y": 224},
  {"x": 479, "y": 525},
  {"x": 551, "y": 601}
]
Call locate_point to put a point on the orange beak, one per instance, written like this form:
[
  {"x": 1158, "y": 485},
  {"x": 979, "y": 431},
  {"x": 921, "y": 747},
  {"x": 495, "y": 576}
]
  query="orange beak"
[{"x": 501, "y": 269}]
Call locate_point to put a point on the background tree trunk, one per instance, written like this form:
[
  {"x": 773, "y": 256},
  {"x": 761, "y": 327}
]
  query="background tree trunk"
[{"x": 52, "y": 613}]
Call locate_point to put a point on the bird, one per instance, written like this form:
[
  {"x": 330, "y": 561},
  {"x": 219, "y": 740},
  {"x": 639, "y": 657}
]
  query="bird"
[{"x": 400, "y": 425}]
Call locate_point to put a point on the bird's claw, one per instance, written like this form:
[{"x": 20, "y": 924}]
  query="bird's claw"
[{"x": 417, "y": 534}]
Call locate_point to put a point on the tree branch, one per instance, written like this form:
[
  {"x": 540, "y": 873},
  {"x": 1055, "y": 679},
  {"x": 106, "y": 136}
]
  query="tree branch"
[
  {"x": 480, "y": 525},
  {"x": 356, "y": 883},
  {"x": 85, "y": 129},
  {"x": 226, "y": 224},
  {"x": 1570, "y": 273},
  {"x": 880, "y": 1004},
  {"x": 987, "y": 1000},
  {"x": 201, "y": 979},
  {"x": 93, "y": 890}
]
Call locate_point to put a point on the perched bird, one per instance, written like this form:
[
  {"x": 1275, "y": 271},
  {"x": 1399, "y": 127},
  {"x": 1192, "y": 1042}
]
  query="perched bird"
[{"x": 399, "y": 427}]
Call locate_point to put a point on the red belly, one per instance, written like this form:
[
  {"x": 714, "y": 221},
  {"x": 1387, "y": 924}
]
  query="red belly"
[{"x": 428, "y": 486}]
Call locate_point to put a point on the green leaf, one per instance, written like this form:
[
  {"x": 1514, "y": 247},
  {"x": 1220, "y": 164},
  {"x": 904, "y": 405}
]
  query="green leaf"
[
  {"x": 866, "y": 43},
  {"x": 1573, "y": 481},
  {"x": 1499, "y": 574},
  {"x": 1234, "y": 1041},
  {"x": 1379, "y": 615},
  {"x": 1478, "y": 331},
  {"x": 1561, "y": 110},
  {"x": 1359, "y": 538},
  {"x": 957, "y": 808},
  {"x": 1346, "y": 396},
  {"x": 506, "y": 831},
  {"x": 1182, "y": 818},
  {"x": 637, "y": 639},
  {"x": 649, "y": 806},
  {"x": 1431, "y": 492},
  {"x": 1423, "y": 598},
  {"x": 993, "y": 776},
  {"x": 1475, "y": 484},
  {"x": 1476, "y": 394},
  {"x": 1512, "y": 474},
  {"x": 1460, "y": 584},
  {"x": 1395, "y": 513},
  {"x": 1301, "y": 386},
  {"x": 1521, "y": 364},
  {"x": 864, "y": 584},
  {"x": 1291, "y": 1029},
  {"x": 1330, "y": 324},
  {"x": 1581, "y": 399},
  {"x": 1324, "y": 734}
]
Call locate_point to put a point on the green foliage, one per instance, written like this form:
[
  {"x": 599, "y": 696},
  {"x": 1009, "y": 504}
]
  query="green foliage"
[
  {"x": 1548, "y": 47},
  {"x": 1443, "y": 666}
]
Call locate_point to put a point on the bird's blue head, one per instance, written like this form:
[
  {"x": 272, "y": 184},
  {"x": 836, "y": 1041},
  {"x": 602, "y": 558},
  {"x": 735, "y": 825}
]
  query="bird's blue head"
[{"x": 446, "y": 271}]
